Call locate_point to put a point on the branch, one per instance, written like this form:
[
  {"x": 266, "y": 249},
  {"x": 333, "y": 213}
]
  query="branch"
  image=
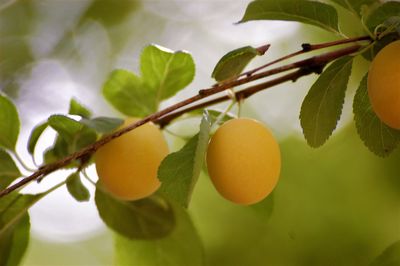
[
  {"x": 305, "y": 67},
  {"x": 308, "y": 66}
]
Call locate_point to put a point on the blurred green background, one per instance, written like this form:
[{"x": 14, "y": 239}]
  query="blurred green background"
[{"x": 336, "y": 205}]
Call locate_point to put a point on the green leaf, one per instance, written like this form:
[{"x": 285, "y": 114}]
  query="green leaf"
[
  {"x": 389, "y": 257},
  {"x": 8, "y": 170},
  {"x": 166, "y": 72},
  {"x": 66, "y": 127},
  {"x": 75, "y": 134},
  {"x": 148, "y": 218},
  {"x": 103, "y": 124},
  {"x": 308, "y": 12},
  {"x": 381, "y": 14},
  {"x": 77, "y": 190},
  {"x": 9, "y": 123},
  {"x": 322, "y": 107},
  {"x": 377, "y": 137},
  {"x": 13, "y": 207},
  {"x": 110, "y": 12},
  {"x": 355, "y": 6},
  {"x": 379, "y": 44},
  {"x": 179, "y": 171},
  {"x": 75, "y": 108},
  {"x": 35, "y": 135},
  {"x": 14, "y": 242},
  {"x": 182, "y": 247},
  {"x": 233, "y": 63},
  {"x": 58, "y": 151},
  {"x": 128, "y": 94}
]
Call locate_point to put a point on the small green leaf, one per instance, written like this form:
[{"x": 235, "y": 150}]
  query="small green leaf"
[
  {"x": 35, "y": 135},
  {"x": 182, "y": 247},
  {"x": 14, "y": 242},
  {"x": 103, "y": 124},
  {"x": 8, "y": 170},
  {"x": 77, "y": 190},
  {"x": 378, "y": 137},
  {"x": 381, "y": 14},
  {"x": 58, "y": 151},
  {"x": 389, "y": 257},
  {"x": 355, "y": 6},
  {"x": 75, "y": 134},
  {"x": 308, "y": 12},
  {"x": 322, "y": 107},
  {"x": 13, "y": 207},
  {"x": 166, "y": 72},
  {"x": 9, "y": 123},
  {"x": 179, "y": 171},
  {"x": 233, "y": 63},
  {"x": 128, "y": 94},
  {"x": 75, "y": 108},
  {"x": 65, "y": 126},
  {"x": 147, "y": 218}
]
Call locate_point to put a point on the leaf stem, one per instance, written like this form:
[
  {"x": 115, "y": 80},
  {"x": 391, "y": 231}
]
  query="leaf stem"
[
  {"x": 22, "y": 163},
  {"x": 87, "y": 177}
]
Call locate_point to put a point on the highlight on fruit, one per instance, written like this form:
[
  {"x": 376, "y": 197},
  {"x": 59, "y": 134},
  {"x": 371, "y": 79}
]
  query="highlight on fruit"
[
  {"x": 127, "y": 166},
  {"x": 384, "y": 84},
  {"x": 244, "y": 161}
]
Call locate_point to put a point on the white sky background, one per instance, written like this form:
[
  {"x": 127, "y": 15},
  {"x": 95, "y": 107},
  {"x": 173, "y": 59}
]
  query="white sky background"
[{"x": 204, "y": 28}]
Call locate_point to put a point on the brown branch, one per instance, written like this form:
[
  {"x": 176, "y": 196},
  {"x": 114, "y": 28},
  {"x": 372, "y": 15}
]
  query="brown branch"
[
  {"x": 310, "y": 65},
  {"x": 306, "y": 47},
  {"x": 305, "y": 67}
]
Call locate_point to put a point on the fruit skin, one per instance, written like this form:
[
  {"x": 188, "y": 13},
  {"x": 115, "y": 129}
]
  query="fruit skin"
[
  {"x": 127, "y": 166},
  {"x": 384, "y": 84},
  {"x": 243, "y": 161}
]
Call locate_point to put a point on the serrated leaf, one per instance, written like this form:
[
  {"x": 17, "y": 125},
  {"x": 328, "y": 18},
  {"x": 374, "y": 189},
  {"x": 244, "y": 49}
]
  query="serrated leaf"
[
  {"x": 14, "y": 242},
  {"x": 233, "y": 63},
  {"x": 13, "y": 207},
  {"x": 355, "y": 6},
  {"x": 389, "y": 257},
  {"x": 103, "y": 124},
  {"x": 9, "y": 123},
  {"x": 179, "y": 171},
  {"x": 76, "y": 188},
  {"x": 381, "y": 14},
  {"x": 75, "y": 134},
  {"x": 128, "y": 94},
  {"x": 308, "y": 12},
  {"x": 322, "y": 107},
  {"x": 8, "y": 170},
  {"x": 148, "y": 218},
  {"x": 75, "y": 108},
  {"x": 182, "y": 247},
  {"x": 166, "y": 72},
  {"x": 377, "y": 137},
  {"x": 35, "y": 135}
]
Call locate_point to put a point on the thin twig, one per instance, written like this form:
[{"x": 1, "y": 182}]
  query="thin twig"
[
  {"x": 315, "y": 62},
  {"x": 305, "y": 67}
]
